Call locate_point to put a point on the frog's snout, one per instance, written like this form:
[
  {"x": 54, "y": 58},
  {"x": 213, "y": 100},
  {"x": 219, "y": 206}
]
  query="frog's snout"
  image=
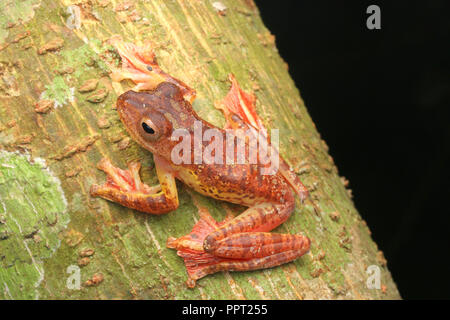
[{"x": 131, "y": 99}]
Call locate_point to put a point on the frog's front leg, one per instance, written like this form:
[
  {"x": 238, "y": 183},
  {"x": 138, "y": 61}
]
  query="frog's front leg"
[
  {"x": 126, "y": 188},
  {"x": 240, "y": 244}
]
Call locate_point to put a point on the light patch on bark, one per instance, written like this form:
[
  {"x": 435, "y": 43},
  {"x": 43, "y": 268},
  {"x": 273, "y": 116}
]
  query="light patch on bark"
[
  {"x": 33, "y": 212},
  {"x": 12, "y": 11}
]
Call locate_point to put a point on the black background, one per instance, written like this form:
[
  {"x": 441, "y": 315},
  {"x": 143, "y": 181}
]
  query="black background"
[{"x": 381, "y": 100}]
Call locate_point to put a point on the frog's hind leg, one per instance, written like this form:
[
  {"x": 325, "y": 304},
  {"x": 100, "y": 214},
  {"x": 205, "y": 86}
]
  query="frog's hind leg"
[
  {"x": 126, "y": 188},
  {"x": 239, "y": 110},
  {"x": 239, "y": 244},
  {"x": 247, "y": 237}
]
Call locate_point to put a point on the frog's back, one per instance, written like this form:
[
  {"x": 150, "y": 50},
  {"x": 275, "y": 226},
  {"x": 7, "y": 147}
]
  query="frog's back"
[{"x": 238, "y": 183}]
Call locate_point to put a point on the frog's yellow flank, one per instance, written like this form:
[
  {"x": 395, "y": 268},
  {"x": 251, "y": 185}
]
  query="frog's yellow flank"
[{"x": 162, "y": 104}]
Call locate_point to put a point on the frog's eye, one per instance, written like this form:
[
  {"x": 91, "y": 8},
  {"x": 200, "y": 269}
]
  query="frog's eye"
[{"x": 147, "y": 128}]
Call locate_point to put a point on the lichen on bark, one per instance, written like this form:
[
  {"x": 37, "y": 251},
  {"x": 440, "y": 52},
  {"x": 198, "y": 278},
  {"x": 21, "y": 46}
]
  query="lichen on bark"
[{"x": 33, "y": 213}]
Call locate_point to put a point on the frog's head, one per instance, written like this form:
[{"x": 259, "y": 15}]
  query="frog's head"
[{"x": 151, "y": 116}]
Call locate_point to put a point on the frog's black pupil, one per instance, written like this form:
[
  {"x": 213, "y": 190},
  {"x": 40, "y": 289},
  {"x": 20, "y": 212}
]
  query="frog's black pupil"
[{"x": 147, "y": 128}]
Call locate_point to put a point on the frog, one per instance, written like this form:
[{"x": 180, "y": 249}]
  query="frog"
[{"x": 151, "y": 112}]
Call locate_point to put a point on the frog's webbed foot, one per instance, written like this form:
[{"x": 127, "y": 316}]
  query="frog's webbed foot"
[
  {"x": 190, "y": 247},
  {"x": 126, "y": 188},
  {"x": 139, "y": 65},
  {"x": 123, "y": 180},
  {"x": 239, "y": 110}
]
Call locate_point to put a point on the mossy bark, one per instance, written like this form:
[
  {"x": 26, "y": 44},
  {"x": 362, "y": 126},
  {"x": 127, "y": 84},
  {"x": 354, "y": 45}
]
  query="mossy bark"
[{"x": 48, "y": 111}]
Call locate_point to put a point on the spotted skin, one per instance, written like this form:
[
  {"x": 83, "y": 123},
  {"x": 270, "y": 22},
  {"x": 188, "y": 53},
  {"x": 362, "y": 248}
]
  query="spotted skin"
[{"x": 151, "y": 117}]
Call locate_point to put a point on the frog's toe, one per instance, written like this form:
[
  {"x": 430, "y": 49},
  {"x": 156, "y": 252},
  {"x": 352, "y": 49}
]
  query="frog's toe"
[
  {"x": 116, "y": 177},
  {"x": 122, "y": 180},
  {"x": 95, "y": 190}
]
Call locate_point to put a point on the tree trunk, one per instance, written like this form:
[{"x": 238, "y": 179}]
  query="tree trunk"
[{"x": 55, "y": 127}]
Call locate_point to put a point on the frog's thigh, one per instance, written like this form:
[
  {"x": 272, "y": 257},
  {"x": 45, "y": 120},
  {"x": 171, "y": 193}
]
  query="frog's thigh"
[
  {"x": 262, "y": 217},
  {"x": 254, "y": 245},
  {"x": 246, "y": 236},
  {"x": 242, "y": 238}
]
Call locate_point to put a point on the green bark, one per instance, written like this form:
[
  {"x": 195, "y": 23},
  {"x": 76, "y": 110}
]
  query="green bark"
[{"x": 52, "y": 134}]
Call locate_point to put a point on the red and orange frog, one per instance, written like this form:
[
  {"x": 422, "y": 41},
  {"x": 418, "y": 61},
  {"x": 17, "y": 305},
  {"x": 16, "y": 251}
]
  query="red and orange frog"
[{"x": 157, "y": 106}]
